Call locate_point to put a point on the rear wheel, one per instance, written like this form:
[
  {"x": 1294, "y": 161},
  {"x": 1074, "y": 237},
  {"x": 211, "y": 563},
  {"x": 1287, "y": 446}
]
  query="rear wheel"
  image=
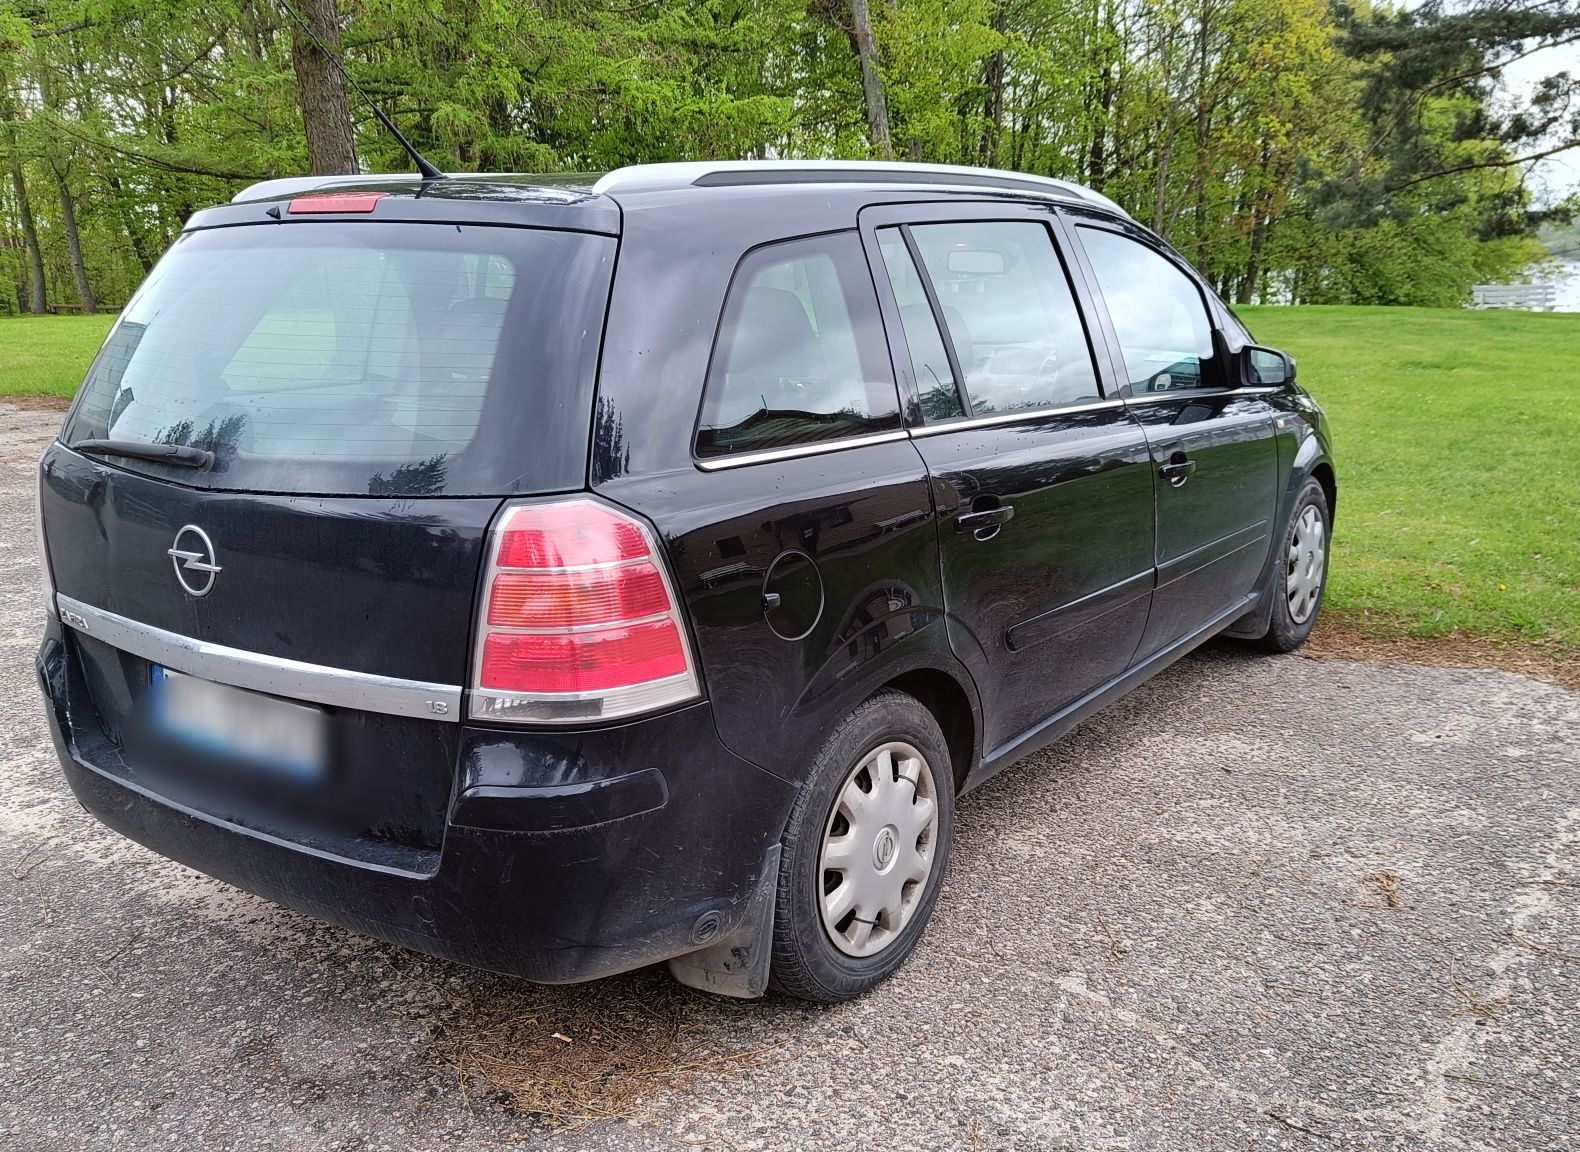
[
  {"x": 864, "y": 852},
  {"x": 1300, "y": 572}
]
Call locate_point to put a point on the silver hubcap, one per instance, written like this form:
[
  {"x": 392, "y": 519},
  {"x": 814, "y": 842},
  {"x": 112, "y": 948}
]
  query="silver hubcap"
[
  {"x": 1308, "y": 559},
  {"x": 879, "y": 847}
]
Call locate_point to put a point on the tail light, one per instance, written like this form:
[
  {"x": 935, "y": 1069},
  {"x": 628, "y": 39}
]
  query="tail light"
[
  {"x": 335, "y": 202},
  {"x": 579, "y": 619}
]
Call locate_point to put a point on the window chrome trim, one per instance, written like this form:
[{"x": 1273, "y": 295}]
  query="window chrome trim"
[
  {"x": 1094, "y": 406},
  {"x": 1203, "y": 393},
  {"x": 257, "y": 672},
  {"x": 715, "y": 463},
  {"x": 1012, "y": 417}
]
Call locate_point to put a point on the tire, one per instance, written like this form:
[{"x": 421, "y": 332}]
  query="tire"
[
  {"x": 1294, "y": 616},
  {"x": 888, "y": 731}
]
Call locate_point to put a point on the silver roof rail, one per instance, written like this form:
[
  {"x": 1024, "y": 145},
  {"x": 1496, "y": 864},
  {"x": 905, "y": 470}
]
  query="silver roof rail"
[{"x": 653, "y": 177}]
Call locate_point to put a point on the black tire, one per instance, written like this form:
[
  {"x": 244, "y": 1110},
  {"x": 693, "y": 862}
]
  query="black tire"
[
  {"x": 1285, "y": 633},
  {"x": 806, "y": 962}
]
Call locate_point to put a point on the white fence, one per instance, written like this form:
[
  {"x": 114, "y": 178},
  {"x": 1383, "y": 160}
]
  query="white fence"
[{"x": 1536, "y": 297}]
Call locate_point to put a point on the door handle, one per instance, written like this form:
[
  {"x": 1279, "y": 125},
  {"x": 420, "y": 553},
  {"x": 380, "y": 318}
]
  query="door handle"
[
  {"x": 985, "y": 523},
  {"x": 1178, "y": 469}
]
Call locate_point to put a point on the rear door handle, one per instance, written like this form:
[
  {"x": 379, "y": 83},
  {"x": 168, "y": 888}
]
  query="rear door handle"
[
  {"x": 1178, "y": 469},
  {"x": 988, "y": 520}
]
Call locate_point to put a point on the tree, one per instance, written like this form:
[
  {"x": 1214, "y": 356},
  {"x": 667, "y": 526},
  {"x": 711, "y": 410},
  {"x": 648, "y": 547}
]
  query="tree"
[
  {"x": 59, "y": 162},
  {"x": 37, "y": 300},
  {"x": 871, "y": 80},
  {"x": 1291, "y": 149},
  {"x": 321, "y": 89}
]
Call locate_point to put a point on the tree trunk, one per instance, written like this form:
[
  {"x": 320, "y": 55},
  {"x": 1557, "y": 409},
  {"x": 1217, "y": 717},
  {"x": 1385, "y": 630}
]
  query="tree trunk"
[
  {"x": 993, "y": 102},
  {"x": 1204, "y": 110},
  {"x": 58, "y": 164},
  {"x": 1262, "y": 208},
  {"x": 871, "y": 81},
  {"x": 1160, "y": 200},
  {"x": 1097, "y": 163},
  {"x": 1097, "y": 159},
  {"x": 10, "y": 242},
  {"x": 1165, "y": 56},
  {"x": 1026, "y": 102},
  {"x": 129, "y": 224},
  {"x": 37, "y": 302},
  {"x": 321, "y": 91},
  {"x": 79, "y": 267}
]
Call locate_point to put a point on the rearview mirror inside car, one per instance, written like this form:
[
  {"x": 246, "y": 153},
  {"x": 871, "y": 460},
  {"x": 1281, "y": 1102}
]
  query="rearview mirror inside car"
[{"x": 976, "y": 262}]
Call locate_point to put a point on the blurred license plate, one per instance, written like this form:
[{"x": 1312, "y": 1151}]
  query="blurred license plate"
[{"x": 239, "y": 725}]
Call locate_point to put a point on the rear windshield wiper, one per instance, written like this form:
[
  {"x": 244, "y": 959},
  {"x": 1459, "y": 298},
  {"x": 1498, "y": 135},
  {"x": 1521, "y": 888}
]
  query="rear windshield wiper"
[{"x": 186, "y": 457}]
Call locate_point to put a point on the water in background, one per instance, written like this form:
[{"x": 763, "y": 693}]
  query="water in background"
[{"x": 1569, "y": 287}]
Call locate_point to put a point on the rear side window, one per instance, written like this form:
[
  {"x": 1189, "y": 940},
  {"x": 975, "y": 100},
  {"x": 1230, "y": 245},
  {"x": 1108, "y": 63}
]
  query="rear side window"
[
  {"x": 360, "y": 358},
  {"x": 1011, "y": 314},
  {"x": 935, "y": 380},
  {"x": 1157, "y": 312},
  {"x": 800, "y": 357}
]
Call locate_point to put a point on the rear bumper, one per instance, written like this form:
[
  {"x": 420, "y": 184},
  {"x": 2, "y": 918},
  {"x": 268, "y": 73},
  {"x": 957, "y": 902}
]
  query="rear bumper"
[{"x": 565, "y": 856}]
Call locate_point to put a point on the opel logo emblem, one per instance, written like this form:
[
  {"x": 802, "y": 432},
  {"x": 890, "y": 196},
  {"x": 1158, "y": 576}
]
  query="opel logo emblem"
[
  {"x": 194, "y": 559},
  {"x": 883, "y": 849}
]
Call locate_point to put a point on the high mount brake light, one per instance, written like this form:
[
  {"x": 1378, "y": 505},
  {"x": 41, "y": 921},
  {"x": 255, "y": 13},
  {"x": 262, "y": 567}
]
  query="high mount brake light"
[
  {"x": 579, "y": 618},
  {"x": 336, "y": 202}
]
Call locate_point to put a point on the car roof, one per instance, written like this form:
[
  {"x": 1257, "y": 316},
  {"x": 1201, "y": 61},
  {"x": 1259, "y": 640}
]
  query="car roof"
[{"x": 633, "y": 181}]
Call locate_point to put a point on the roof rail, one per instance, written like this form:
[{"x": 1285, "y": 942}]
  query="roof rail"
[{"x": 652, "y": 177}]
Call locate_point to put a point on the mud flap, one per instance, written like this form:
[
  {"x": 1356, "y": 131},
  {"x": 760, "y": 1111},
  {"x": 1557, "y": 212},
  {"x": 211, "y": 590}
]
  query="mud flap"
[
  {"x": 1255, "y": 623},
  {"x": 738, "y": 964}
]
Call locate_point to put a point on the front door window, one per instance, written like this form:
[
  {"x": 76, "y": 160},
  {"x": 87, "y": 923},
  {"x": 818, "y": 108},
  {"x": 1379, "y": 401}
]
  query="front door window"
[{"x": 1162, "y": 325}]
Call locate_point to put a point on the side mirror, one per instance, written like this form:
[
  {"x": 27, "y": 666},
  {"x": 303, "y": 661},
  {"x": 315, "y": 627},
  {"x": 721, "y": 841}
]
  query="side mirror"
[{"x": 1267, "y": 367}]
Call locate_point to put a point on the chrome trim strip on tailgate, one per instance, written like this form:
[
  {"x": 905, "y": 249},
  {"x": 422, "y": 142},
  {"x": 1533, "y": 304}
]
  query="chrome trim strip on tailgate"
[{"x": 315, "y": 683}]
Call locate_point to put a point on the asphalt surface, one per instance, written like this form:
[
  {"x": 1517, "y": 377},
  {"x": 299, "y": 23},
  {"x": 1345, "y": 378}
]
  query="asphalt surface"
[{"x": 1262, "y": 903}]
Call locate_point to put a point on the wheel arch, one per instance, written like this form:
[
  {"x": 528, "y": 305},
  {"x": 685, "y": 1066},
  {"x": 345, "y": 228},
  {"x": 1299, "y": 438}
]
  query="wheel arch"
[
  {"x": 951, "y": 705},
  {"x": 1322, "y": 473}
]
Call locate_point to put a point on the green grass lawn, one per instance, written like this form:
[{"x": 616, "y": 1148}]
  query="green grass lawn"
[
  {"x": 1458, "y": 443},
  {"x": 48, "y": 354},
  {"x": 1457, "y": 436}
]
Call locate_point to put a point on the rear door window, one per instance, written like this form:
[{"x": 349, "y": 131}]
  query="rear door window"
[
  {"x": 363, "y": 358},
  {"x": 935, "y": 379},
  {"x": 1157, "y": 312},
  {"x": 1011, "y": 314},
  {"x": 800, "y": 357}
]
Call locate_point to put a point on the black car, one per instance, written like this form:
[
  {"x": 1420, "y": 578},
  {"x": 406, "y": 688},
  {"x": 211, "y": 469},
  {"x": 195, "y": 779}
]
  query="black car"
[{"x": 563, "y": 575}]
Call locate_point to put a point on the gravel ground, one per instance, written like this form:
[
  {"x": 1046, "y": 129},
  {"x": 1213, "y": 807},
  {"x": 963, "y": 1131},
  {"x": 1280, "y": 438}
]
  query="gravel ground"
[{"x": 1262, "y": 903}]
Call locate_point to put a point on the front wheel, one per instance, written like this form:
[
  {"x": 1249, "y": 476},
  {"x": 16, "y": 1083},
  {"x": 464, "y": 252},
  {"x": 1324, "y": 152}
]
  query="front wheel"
[
  {"x": 864, "y": 852},
  {"x": 1300, "y": 572}
]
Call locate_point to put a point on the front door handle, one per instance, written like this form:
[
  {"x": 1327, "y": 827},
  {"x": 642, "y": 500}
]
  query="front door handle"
[
  {"x": 1178, "y": 469},
  {"x": 985, "y": 524}
]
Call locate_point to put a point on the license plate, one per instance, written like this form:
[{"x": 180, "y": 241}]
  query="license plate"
[{"x": 234, "y": 724}]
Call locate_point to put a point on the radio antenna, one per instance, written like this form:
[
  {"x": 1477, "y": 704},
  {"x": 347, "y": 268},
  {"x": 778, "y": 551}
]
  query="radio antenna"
[{"x": 424, "y": 165}]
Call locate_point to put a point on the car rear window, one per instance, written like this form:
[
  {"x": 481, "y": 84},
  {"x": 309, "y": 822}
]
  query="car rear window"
[{"x": 360, "y": 358}]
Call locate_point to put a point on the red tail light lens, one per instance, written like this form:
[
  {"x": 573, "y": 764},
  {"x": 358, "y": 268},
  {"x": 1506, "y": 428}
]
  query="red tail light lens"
[
  {"x": 580, "y": 621},
  {"x": 335, "y": 202},
  {"x": 572, "y": 534},
  {"x": 591, "y": 662}
]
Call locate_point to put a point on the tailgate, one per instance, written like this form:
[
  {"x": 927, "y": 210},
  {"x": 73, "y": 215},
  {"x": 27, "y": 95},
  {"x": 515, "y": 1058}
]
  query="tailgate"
[
  {"x": 362, "y": 394},
  {"x": 360, "y": 607}
]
